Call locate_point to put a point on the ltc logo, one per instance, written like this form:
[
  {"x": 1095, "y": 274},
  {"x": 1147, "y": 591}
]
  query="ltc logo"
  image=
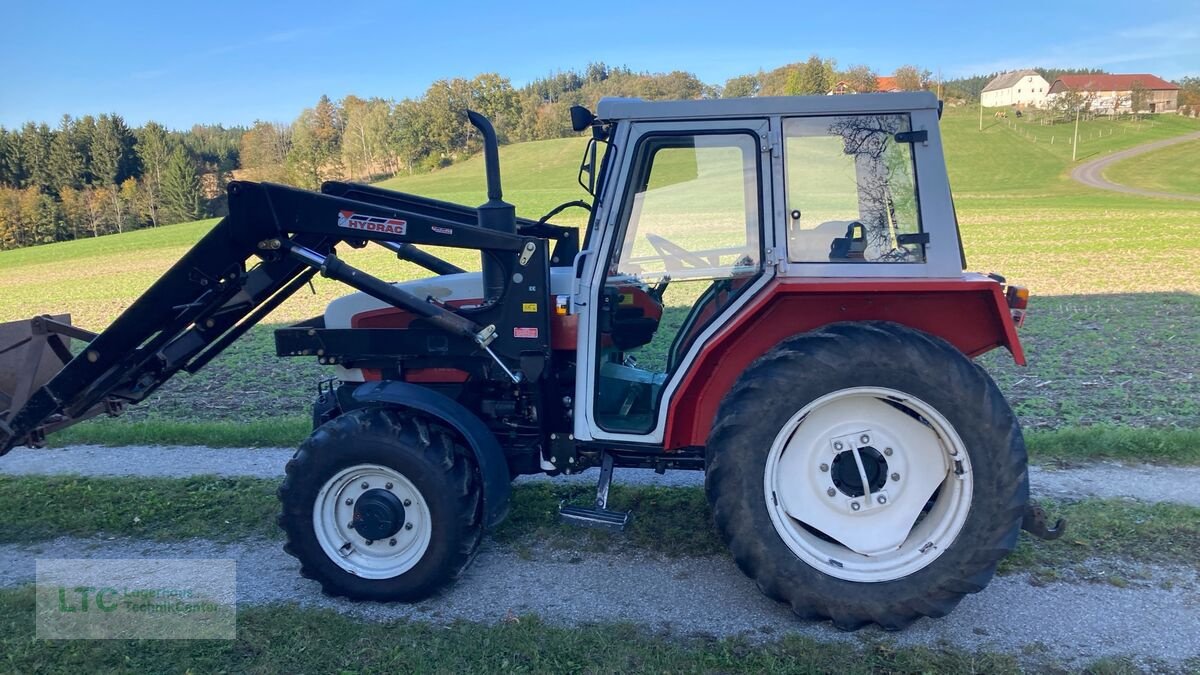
[{"x": 357, "y": 221}]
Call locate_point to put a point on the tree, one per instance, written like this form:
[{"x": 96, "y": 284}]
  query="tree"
[
  {"x": 35, "y": 156},
  {"x": 861, "y": 79},
  {"x": 264, "y": 148},
  {"x": 911, "y": 78},
  {"x": 1139, "y": 97},
  {"x": 66, "y": 158},
  {"x": 315, "y": 152},
  {"x": 740, "y": 86},
  {"x": 180, "y": 188},
  {"x": 364, "y": 139},
  {"x": 495, "y": 98},
  {"x": 113, "y": 157},
  {"x": 154, "y": 150}
]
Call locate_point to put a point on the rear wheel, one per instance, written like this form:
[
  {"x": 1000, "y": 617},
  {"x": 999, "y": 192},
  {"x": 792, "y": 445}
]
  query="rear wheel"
[
  {"x": 865, "y": 473},
  {"x": 381, "y": 504}
]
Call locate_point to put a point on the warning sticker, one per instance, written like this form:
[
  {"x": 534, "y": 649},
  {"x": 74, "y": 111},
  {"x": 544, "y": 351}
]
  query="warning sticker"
[
  {"x": 521, "y": 332},
  {"x": 358, "y": 221},
  {"x": 530, "y": 307}
]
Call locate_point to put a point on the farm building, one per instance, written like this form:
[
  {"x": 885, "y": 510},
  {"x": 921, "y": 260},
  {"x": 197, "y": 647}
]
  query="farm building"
[
  {"x": 1019, "y": 88},
  {"x": 882, "y": 84},
  {"x": 1111, "y": 94}
]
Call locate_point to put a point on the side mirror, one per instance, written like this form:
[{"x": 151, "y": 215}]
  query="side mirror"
[
  {"x": 581, "y": 118},
  {"x": 587, "y": 168}
]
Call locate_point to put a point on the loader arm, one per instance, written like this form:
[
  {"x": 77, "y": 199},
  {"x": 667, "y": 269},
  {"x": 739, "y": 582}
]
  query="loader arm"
[{"x": 274, "y": 240}]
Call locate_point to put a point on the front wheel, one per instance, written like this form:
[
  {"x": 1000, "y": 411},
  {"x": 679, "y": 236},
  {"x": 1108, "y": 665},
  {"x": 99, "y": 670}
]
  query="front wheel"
[
  {"x": 381, "y": 504},
  {"x": 865, "y": 473}
]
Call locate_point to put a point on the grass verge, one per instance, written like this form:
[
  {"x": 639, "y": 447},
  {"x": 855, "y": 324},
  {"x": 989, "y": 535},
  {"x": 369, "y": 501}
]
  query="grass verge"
[
  {"x": 1164, "y": 446},
  {"x": 668, "y": 521},
  {"x": 282, "y": 432},
  {"x": 288, "y": 639}
]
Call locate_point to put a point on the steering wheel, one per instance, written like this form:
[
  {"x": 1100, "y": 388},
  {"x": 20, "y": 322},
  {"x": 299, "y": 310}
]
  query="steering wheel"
[{"x": 675, "y": 256}]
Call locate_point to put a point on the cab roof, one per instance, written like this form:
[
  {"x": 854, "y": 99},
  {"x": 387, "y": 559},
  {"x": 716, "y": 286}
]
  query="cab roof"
[{"x": 611, "y": 109}]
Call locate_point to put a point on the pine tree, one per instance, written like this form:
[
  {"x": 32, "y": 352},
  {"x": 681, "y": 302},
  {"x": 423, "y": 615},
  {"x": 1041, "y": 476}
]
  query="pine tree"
[
  {"x": 154, "y": 150},
  {"x": 180, "y": 189},
  {"x": 66, "y": 159},
  {"x": 113, "y": 158}
]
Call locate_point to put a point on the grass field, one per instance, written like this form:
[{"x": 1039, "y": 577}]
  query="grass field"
[
  {"x": 1112, "y": 336},
  {"x": 1171, "y": 169}
]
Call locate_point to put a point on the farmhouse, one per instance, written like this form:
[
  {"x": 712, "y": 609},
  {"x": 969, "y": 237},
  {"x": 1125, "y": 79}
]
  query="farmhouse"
[
  {"x": 882, "y": 84},
  {"x": 1016, "y": 88},
  {"x": 1112, "y": 94}
]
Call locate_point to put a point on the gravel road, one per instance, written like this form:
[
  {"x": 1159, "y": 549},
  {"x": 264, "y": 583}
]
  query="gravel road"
[
  {"x": 1105, "y": 479},
  {"x": 1066, "y": 622},
  {"x": 1091, "y": 173}
]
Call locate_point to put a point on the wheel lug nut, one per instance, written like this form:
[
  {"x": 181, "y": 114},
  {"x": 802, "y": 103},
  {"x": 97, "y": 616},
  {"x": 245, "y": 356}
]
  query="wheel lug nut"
[
  {"x": 408, "y": 526},
  {"x": 388, "y": 486},
  {"x": 854, "y": 506},
  {"x": 824, "y": 467},
  {"x": 887, "y": 451},
  {"x": 392, "y": 542},
  {"x": 349, "y": 501},
  {"x": 837, "y": 445},
  {"x": 865, "y": 439},
  {"x": 831, "y": 492},
  {"x": 365, "y": 485},
  {"x": 408, "y": 502},
  {"x": 895, "y": 476},
  {"x": 881, "y": 499}
]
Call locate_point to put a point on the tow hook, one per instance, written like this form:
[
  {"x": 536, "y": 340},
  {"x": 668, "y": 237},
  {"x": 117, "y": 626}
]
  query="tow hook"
[{"x": 1034, "y": 522}]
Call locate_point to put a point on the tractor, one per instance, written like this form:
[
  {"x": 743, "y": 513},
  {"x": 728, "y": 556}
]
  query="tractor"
[{"x": 768, "y": 290}]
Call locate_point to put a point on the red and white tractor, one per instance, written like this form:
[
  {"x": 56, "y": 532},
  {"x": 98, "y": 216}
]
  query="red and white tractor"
[{"x": 770, "y": 290}]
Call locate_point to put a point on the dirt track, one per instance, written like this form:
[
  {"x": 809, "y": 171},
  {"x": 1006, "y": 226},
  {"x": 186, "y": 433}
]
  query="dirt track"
[
  {"x": 1091, "y": 173},
  {"x": 1103, "y": 479}
]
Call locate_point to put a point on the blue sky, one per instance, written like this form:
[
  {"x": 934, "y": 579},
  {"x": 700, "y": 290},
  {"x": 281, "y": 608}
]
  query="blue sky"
[{"x": 234, "y": 62}]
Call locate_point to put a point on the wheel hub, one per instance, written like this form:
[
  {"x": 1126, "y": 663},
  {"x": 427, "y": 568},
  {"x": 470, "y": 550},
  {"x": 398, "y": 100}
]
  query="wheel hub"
[
  {"x": 378, "y": 514},
  {"x": 848, "y": 480}
]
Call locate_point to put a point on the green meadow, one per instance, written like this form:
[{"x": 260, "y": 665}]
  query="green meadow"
[{"x": 1112, "y": 335}]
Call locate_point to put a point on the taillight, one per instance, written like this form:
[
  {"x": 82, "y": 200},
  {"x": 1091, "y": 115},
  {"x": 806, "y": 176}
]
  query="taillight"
[{"x": 1018, "y": 300}]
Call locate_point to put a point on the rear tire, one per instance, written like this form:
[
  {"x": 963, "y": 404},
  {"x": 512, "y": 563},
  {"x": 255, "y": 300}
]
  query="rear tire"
[
  {"x": 402, "y": 477},
  {"x": 795, "y": 481}
]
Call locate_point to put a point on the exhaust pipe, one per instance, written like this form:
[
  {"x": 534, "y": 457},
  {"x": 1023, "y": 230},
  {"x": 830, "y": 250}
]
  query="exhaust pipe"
[{"x": 495, "y": 213}]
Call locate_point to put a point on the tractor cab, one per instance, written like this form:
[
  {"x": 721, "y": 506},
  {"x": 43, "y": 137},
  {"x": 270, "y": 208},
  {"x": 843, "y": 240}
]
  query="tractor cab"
[{"x": 702, "y": 206}]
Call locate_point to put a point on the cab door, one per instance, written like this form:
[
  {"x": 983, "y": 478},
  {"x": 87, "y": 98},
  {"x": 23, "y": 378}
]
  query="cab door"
[{"x": 683, "y": 244}]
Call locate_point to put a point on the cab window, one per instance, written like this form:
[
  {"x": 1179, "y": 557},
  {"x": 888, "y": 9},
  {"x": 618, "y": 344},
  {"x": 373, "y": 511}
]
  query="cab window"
[{"x": 851, "y": 190}]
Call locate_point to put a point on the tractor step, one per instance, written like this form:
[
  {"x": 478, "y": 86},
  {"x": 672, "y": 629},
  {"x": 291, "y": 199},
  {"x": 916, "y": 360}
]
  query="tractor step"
[
  {"x": 598, "y": 515},
  {"x": 588, "y": 516}
]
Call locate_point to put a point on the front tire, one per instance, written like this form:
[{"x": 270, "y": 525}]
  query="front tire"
[
  {"x": 867, "y": 472},
  {"x": 381, "y": 504}
]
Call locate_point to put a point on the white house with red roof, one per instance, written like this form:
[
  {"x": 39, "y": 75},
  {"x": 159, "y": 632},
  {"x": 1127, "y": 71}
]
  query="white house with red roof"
[{"x": 1113, "y": 93}]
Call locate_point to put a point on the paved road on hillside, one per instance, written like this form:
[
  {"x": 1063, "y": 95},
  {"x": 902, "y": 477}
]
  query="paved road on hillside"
[{"x": 1091, "y": 173}]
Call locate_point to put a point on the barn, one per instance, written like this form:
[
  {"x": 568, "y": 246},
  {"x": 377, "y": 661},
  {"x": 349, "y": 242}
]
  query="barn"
[
  {"x": 1113, "y": 94},
  {"x": 1019, "y": 88}
]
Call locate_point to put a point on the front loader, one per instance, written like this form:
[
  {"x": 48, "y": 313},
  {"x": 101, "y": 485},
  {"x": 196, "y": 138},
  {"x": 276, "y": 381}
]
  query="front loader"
[{"x": 764, "y": 292}]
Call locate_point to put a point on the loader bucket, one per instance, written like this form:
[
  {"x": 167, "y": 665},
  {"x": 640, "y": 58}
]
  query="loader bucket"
[{"x": 31, "y": 352}]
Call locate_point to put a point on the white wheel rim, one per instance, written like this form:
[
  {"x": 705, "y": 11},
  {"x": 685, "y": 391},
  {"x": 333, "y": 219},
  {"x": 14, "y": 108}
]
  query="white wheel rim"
[
  {"x": 333, "y": 511},
  {"x": 890, "y": 533}
]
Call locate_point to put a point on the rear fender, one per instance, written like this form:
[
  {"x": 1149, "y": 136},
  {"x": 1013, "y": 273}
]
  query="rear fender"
[
  {"x": 493, "y": 468},
  {"x": 969, "y": 312}
]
